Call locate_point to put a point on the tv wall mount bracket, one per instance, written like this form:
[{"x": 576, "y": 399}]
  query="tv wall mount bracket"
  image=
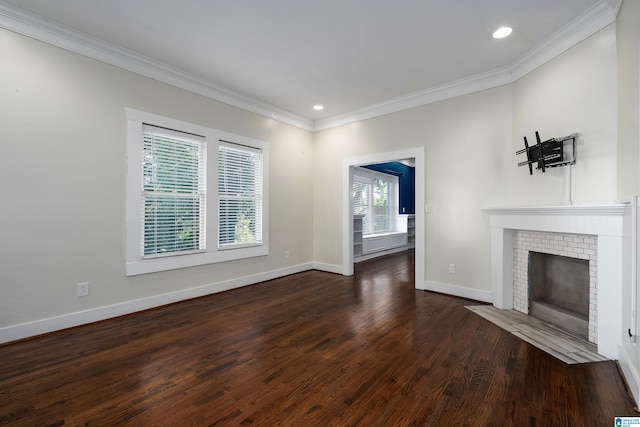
[{"x": 551, "y": 153}]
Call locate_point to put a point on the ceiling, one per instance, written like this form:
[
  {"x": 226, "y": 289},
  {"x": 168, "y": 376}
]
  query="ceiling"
[{"x": 284, "y": 56}]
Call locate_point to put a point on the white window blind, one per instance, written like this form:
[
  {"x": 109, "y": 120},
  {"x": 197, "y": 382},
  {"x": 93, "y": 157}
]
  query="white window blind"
[
  {"x": 173, "y": 192},
  {"x": 240, "y": 196},
  {"x": 361, "y": 199}
]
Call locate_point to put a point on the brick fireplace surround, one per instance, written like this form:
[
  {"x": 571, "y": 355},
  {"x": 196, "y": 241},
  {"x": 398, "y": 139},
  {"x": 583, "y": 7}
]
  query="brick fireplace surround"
[{"x": 600, "y": 227}]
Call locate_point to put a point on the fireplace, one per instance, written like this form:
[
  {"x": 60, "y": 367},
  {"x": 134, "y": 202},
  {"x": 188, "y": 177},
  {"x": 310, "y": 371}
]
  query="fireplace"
[
  {"x": 554, "y": 248},
  {"x": 588, "y": 232},
  {"x": 559, "y": 291}
]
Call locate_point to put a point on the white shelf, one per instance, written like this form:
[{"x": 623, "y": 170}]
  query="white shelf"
[
  {"x": 411, "y": 230},
  {"x": 358, "y": 247}
]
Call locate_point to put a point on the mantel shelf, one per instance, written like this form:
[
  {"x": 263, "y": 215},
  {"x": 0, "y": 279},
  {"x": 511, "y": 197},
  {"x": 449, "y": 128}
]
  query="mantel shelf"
[{"x": 595, "y": 209}]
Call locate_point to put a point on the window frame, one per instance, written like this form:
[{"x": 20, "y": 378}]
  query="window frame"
[
  {"x": 257, "y": 195},
  {"x": 136, "y": 262}
]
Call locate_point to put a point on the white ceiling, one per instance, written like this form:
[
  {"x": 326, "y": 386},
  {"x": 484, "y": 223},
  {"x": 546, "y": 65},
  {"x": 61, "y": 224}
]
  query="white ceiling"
[{"x": 352, "y": 56}]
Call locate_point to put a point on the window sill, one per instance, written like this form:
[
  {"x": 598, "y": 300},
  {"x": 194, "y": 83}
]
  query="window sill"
[
  {"x": 153, "y": 265},
  {"x": 388, "y": 233}
]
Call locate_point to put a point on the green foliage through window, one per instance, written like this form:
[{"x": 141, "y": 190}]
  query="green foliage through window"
[{"x": 381, "y": 204}]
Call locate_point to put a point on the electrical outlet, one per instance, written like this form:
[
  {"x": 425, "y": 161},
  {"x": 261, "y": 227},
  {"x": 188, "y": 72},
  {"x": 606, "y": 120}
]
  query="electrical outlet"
[
  {"x": 287, "y": 254},
  {"x": 452, "y": 268},
  {"x": 83, "y": 289},
  {"x": 427, "y": 208}
]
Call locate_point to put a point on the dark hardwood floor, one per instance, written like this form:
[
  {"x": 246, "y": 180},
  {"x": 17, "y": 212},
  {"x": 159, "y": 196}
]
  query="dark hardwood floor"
[{"x": 312, "y": 349}]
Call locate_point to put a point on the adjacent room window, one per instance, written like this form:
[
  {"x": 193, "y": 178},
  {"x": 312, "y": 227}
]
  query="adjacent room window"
[
  {"x": 195, "y": 195},
  {"x": 382, "y": 220},
  {"x": 361, "y": 199},
  {"x": 374, "y": 196}
]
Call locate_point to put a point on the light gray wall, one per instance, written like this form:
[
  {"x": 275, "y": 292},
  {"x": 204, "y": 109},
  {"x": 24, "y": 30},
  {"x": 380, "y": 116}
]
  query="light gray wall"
[
  {"x": 63, "y": 182},
  {"x": 628, "y": 48}
]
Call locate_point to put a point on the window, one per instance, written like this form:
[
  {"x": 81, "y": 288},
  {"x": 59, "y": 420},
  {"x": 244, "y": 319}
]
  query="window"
[
  {"x": 375, "y": 197},
  {"x": 173, "y": 192},
  {"x": 240, "y": 192},
  {"x": 187, "y": 186},
  {"x": 381, "y": 205},
  {"x": 361, "y": 198}
]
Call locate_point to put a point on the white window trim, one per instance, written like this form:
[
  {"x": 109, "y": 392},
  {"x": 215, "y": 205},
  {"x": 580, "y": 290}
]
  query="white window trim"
[{"x": 135, "y": 262}]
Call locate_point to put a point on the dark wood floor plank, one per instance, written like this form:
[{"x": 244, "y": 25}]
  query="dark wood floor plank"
[{"x": 309, "y": 349}]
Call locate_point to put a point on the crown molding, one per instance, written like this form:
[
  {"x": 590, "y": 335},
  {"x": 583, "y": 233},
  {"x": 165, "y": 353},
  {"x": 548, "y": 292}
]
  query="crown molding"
[
  {"x": 17, "y": 20},
  {"x": 450, "y": 90},
  {"x": 590, "y": 22},
  {"x": 27, "y": 24}
]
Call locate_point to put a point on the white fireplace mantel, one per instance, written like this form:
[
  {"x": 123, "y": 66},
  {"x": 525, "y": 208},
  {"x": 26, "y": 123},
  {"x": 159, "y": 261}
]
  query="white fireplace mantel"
[{"x": 604, "y": 221}]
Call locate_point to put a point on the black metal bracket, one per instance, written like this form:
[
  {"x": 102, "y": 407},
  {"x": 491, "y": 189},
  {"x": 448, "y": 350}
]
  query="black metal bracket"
[{"x": 551, "y": 153}]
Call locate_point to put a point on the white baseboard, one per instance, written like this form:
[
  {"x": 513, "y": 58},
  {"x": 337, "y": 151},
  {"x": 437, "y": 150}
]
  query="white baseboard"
[
  {"x": 38, "y": 327},
  {"x": 630, "y": 373},
  {"x": 458, "y": 291},
  {"x": 329, "y": 268}
]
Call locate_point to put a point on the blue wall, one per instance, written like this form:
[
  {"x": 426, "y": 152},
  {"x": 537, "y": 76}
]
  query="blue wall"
[{"x": 407, "y": 181}]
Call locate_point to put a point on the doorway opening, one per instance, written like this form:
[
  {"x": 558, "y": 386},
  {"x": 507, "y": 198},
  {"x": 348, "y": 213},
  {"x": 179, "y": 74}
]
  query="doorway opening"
[
  {"x": 416, "y": 155},
  {"x": 383, "y": 209}
]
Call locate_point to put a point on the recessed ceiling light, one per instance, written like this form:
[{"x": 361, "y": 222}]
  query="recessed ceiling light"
[
  {"x": 318, "y": 107},
  {"x": 502, "y": 32}
]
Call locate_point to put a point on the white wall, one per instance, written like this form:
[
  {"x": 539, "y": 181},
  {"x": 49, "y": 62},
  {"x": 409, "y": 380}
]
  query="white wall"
[{"x": 63, "y": 186}]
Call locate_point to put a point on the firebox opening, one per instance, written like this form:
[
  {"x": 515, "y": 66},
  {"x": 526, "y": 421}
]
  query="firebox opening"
[{"x": 559, "y": 291}]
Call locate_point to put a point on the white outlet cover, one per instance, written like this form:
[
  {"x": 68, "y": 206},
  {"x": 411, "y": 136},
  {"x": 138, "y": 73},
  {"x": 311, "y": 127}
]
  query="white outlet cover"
[{"x": 83, "y": 289}]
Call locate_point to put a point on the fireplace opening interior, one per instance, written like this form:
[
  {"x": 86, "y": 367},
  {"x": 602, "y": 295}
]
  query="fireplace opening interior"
[{"x": 559, "y": 291}]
